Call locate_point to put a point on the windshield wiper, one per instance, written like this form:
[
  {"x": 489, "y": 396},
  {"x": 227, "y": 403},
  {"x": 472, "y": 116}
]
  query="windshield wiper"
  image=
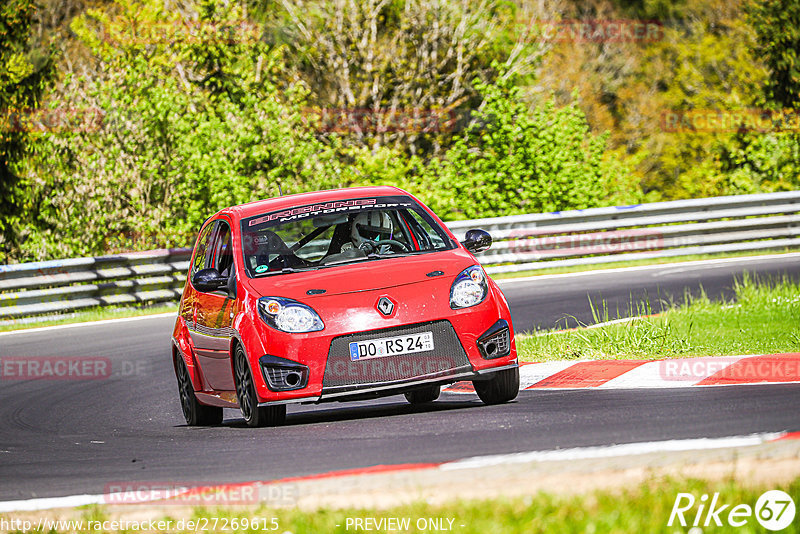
[
  {"x": 377, "y": 256},
  {"x": 286, "y": 270}
]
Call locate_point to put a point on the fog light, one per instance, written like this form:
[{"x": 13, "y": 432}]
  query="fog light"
[
  {"x": 496, "y": 342},
  {"x": 281, "y": 374}
]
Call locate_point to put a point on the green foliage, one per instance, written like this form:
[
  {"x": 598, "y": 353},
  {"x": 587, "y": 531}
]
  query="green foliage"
[
  {"x": 382, "y": 63},
  {"x": 194, "y": 122},
  {"x": 710, "y": 59},
  {"x": 24, "y": 72},
  {"x": 770, "y": 161},
  {"x": 198, "y": 118},
  {"x": 513, "y": 160},
  {"x": 757, "y": 162},
  {"x": 777, "y": 25},
  {"x": 187, "y": 107},
  {"x": 703, "y": 64}
]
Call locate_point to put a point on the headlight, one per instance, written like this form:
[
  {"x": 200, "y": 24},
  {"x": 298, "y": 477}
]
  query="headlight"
[
  {"x": 470, "y": 288},
  {"x": 288, "y": 315}
]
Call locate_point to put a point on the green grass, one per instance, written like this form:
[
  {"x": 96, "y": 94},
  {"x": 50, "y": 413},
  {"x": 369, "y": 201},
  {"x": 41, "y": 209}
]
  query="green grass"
[
  {"x": 94, "y": 314},
  {"x": 764, "y": 317},
  {"x": 644, "y": 508},
  {"x": 633, "y": 263}
]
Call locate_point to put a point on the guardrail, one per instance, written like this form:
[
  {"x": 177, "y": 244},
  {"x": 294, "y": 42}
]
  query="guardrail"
[
  {"x": 522, "y": 243},
  {"x": 58, "y": 286},
  {"x": 663, "y": 229}
]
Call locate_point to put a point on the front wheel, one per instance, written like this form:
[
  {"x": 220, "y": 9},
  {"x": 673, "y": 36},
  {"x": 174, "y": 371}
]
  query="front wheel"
[
  {"x": 423, "y": 395},
  {"x": 196, "y": 414},
  {"x": 502, "y": 387},
  {"x": 248, "y": 401}
]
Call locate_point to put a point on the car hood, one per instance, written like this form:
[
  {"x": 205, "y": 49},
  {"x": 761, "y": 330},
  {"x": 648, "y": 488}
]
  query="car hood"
[{"x": 369, "y": 275}]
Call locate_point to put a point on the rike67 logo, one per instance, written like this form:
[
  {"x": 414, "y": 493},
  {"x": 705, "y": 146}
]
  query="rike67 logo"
[{"x": 774, "y": 510}]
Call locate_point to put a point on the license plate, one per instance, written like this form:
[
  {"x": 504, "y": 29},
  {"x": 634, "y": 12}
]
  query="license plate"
[{"x": 391, "y": 346}]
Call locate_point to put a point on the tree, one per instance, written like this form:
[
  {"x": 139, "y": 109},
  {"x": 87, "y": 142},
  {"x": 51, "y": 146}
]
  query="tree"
[
  {"x": 195, "y": 117},
  {"x": 514, "y": 160},
  {"x": 24, "y": 71},
  {"x": 777, "y": 26},
  {"x": 399, "y": 73}
]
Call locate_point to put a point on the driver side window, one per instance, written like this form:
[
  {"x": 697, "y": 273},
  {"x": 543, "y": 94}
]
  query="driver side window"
[
  {"x": 214, "y": 249},
  {"x": 201, "y": 253},
  {"x": 223, "y": 249}
]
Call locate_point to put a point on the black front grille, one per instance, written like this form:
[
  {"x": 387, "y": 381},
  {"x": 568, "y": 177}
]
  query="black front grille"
[{"x": 447, "y": 358}]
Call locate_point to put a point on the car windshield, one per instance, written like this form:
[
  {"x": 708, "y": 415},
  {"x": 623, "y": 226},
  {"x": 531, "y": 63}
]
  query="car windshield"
[{"x": 337, "y": 232}]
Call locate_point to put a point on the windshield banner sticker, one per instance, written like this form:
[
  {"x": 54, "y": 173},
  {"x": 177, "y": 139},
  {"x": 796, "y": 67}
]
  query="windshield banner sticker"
[{"x": 327, "y": 208}]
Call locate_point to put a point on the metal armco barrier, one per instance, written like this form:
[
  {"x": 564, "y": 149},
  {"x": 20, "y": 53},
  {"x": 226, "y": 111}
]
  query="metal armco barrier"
[
  {"x": 521, "y": 243},
  {"x": 659, "y": 230},
  {"x": 52, "y": 287}
]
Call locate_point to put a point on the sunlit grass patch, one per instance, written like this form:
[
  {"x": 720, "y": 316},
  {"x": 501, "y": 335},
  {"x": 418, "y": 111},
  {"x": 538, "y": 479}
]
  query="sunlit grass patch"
[
  {"x": 762, "y": 318},
  {"x": 642, "y": 508}
]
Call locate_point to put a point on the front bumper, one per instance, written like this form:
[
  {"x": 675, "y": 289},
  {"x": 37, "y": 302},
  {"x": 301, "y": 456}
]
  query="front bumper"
[
  {"x": 386, "y": 389},
  {"x": 467, "y": 343},
  {"x": 447, "y": 359}
]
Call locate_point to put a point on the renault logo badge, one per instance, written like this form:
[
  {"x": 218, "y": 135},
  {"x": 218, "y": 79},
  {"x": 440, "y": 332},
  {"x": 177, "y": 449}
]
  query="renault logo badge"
[{"x": 385, "y": 306}]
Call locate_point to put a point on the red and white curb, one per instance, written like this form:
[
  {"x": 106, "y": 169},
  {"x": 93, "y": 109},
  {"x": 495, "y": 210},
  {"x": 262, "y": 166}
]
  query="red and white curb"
[
  {"x": 673, "y": 373},
  {"x": 193, "y": 496}
]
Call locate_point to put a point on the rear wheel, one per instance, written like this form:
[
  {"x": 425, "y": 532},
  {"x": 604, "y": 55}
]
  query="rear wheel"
[
  {"x": 423, "y": 395},
  {"x": 196, "y": 414},
  {"x": 502, "y": 387},
  {"x": 248, "y": 401}
]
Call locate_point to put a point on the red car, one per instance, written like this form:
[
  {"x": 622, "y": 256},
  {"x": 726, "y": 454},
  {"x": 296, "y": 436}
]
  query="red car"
[{"x": 336, "y": 295}]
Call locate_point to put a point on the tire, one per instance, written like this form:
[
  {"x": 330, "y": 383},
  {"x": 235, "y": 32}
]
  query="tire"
[
  {"x": 254, "y": 415},
  {"x": 502, "y": 387},
  {"x": 196, "y": 414},
  {"x": 423, "y": 395}
]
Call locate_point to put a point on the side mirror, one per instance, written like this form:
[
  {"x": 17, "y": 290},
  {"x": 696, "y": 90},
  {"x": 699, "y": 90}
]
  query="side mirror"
[
  {"x": 207, "y": 280},
  {"x": 477, "y": 240}
]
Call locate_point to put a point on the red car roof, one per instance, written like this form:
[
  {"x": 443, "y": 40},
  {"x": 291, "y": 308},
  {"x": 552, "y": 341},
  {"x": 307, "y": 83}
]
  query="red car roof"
[{"x": 301, "y": 199}]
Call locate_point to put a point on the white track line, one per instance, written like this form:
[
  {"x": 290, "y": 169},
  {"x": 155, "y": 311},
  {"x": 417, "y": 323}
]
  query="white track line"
[
  {"x": 700, "y": 263},
  {"x": 31, "y": 505},
  {"x": 89, "y": 323},
  {"x": 611, "y": 451},
  {"x": 130, "y": 497}
]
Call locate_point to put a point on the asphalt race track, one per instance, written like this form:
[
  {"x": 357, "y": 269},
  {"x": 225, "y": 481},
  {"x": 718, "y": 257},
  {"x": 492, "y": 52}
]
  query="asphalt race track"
[
  {"x": 549, "y": 302},
  {"x": 65, "y": 437}
]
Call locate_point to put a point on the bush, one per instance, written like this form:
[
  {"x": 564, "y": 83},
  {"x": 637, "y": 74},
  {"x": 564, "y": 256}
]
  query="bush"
[{"x": 513, "y": 160}]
